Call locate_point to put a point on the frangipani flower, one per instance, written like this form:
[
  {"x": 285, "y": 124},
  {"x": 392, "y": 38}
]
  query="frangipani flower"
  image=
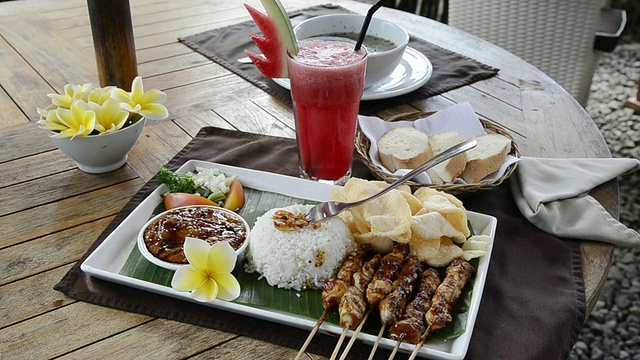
[
  {"x": 147, "y": 104},
  {"x": 208, "y": 275},
  {"x": 99, "y": 95},
  {"x": 110, "y": 116},
  {"x": 100, "y": 109},
  {"x": 79, "y": 121},
  {"x": 72, "y": 92}
]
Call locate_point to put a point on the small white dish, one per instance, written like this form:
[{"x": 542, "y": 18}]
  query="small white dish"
[
  {"x": 142, "y": 247},
  {"x": 414, "y": 70}
]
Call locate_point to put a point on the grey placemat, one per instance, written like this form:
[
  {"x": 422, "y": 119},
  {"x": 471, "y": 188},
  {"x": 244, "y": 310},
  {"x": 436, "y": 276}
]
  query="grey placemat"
[{"x": 226, "y": 45}]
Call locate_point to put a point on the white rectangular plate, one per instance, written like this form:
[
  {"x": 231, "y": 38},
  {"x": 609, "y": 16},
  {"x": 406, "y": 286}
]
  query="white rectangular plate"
[{"x": 107, "y": 260}]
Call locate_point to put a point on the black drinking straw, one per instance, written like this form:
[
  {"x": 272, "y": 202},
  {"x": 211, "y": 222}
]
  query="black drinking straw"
[{"x": 367, "y": 21}]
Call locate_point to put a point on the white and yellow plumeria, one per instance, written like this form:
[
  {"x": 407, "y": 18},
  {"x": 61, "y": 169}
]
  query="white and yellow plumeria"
[
  {"x": 137, "y": 101},
  {"x": 110, "y": 116},
  {"x": 84, "y": 110},
  {"x": 72, "y": 92},
  {"x": 208, "y": 275},
  {"x": 76, "y": 121}
]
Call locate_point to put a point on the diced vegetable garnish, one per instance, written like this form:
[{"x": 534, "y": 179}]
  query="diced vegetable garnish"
[
  {"x": 204, "y": 185},
  {"x": 211, "y": 181}
]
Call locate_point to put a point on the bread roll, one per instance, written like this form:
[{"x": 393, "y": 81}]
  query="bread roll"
[
  {"x": 487, "y": 157},
  {"x": 451, "y": 169},
  {"x": 404, "y": 148}
]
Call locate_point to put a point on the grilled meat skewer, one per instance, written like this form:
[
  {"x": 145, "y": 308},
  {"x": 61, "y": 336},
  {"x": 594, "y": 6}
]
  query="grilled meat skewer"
[
  {"x": 362, "y": 277},
  {"x": 353, "y": 304},
  {"x": 333, "y": 289},
  {"x": 458, "y": 273},
  {"x": 411, "y": 326},
  {"x": 382, "y": 283},
  {"x": 457, "y": 276},
  {"x": 392, "y": 306}
]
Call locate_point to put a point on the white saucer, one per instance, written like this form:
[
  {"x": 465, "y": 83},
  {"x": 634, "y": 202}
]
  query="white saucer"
[{"x": 413, "y": 71}]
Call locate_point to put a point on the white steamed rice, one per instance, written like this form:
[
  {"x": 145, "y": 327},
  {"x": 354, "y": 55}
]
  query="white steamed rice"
[{"x": 298, "y": 259}]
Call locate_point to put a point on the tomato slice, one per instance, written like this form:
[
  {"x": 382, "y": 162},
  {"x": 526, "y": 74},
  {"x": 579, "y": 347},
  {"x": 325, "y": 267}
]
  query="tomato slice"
[{"x": 174, "y": 200}]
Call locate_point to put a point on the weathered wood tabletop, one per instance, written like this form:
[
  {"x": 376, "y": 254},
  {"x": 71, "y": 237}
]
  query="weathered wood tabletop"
[{"x": 52, "y": 212}]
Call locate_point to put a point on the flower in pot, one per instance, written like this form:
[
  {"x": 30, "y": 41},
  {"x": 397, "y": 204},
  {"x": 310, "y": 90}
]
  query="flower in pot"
[{"x": 98, "y": 126}]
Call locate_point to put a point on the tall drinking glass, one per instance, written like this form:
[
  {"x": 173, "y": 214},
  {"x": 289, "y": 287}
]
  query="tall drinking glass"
[{"x": 327, "y": 81}]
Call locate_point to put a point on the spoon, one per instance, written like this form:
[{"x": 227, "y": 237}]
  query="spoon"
[{"x": 329, "y": 209}]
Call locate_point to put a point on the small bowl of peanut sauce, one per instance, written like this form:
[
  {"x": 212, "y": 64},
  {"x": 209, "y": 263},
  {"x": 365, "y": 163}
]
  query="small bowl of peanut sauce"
[{"x": 162, "y": 238}]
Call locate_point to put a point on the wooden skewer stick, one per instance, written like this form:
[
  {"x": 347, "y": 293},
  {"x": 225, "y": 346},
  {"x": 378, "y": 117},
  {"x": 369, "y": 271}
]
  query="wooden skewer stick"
[
  {"x": 416, "y": 350},
  {"x": 375, "y": 345},
  {"x": 312, "y": 334},
  {"x": 354, "y": 337},
  {"x": 419, "y": 345},
  {"x": 395, "y": 348},
  {"x": 339, "y": 344}
]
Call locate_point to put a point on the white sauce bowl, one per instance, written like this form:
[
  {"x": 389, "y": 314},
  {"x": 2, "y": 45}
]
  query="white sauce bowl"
[{"x": 142, "y": 247}]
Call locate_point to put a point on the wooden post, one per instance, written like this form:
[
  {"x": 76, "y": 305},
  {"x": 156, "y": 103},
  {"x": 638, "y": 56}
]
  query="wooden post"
[
  {"x": 113, "y": 42},
  {"x": 635, "y": 103}
]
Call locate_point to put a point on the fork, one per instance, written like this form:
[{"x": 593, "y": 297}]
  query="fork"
[{"x": 330, "y": 209}]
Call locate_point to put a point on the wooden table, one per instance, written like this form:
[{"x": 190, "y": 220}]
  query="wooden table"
[{"x": 52, "y": 212}]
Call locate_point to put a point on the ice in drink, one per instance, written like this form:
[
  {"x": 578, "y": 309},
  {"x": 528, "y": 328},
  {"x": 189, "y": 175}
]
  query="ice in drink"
[{"x": 327, "y": 81}]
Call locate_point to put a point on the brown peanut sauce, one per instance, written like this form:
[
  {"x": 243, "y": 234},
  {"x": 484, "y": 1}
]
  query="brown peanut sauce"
[{"x": 165, "y": 236}]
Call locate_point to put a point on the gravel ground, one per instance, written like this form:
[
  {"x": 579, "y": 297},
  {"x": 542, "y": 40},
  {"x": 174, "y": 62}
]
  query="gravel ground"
[{"x": 613, "y": 329}]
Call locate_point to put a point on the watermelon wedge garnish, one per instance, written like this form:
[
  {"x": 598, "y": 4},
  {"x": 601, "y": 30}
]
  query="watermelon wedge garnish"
[{"x": 278, "y": 39}]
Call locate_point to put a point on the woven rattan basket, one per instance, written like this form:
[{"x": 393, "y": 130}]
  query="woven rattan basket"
[{"x": 461, "y": 190}]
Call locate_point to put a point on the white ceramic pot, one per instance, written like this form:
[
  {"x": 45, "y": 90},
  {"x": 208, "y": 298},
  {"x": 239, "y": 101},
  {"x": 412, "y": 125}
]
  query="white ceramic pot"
[
  {"x": 379, "y": 64},
  {"x": 101, "y": 153}
]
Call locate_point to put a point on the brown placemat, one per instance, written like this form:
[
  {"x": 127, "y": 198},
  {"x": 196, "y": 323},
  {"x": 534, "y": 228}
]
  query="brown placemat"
[
  {"x": 226, "y": 45},
  {"x": 532, "y": 307}
]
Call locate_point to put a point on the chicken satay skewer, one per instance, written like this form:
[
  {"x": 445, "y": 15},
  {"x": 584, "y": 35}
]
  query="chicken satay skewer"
[
  {"x": 392, "y": 306},
  {"x": 457, "y": 276},
  {"x": 352, "y": 304},
  {"x": 333, "y": 289},
  {"x": 411, "y": 326},
  {"x": 360, "y": 281},
  {"x": 352, "y": 313},
  {"x": 382, "y": 283}
]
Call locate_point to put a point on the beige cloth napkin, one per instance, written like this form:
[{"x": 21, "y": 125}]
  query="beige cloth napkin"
[{"x": 552, "y": 194}]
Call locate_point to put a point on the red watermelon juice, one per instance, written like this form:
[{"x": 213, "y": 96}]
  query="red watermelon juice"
[{"x": 327, "y": 81}]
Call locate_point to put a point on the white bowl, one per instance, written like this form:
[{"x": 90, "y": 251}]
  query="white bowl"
[
  {"x": 101, "y": 153},
  {"x": 380, "y": 64},
  {"x": 142, "y": 247}
]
